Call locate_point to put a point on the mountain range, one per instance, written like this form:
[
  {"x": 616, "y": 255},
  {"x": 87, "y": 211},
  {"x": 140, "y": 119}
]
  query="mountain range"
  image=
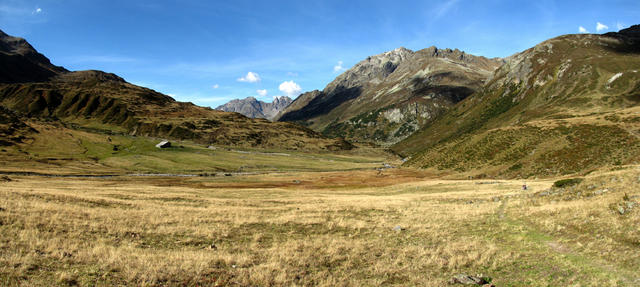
[
  {"x": 568, "y": 105},
  {"x": 253, "y": 108},
  {"x": 33, "y": 89},
  {"x": 385, "y": 98}
]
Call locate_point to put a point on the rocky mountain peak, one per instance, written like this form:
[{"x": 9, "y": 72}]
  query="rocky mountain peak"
[
  {"x": 373, "y": 69},
  {"x": 388, "y": 96},
  {"x": 254, "y": 108},
  {"x": 281, "y": 100}
]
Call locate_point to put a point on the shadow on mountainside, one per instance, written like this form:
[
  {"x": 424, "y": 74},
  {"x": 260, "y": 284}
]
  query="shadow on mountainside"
[
  {"x": 323, "y": 104},
  {"x": 630, "y": 38}
]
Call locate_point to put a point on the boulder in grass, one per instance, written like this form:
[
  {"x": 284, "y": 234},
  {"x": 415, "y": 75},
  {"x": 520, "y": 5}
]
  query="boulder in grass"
[
  {"x": 164, "y": 144},
  {"x": 465, "y": 279}
]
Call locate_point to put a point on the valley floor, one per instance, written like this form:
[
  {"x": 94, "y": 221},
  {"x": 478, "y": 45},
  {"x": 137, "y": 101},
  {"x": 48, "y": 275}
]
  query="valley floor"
[{"x": 332, "y": 228}]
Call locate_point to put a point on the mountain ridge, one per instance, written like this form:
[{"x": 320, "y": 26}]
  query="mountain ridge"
[
  {"x": 254, "y": 108},
  {"x": 20, "y": 62},
  {"x": 385, "y": 97},
  {"x": 564, "y": 106}
]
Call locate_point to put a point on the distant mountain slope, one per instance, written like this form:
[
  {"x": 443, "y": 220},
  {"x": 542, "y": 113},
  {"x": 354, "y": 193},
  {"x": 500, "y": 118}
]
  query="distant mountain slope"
[
  {"x": 33, "y": 88},
  {"x": 567, "y": 105},
  {"x": 253, "y": 108},
  {"x": 386, "y": 97}
]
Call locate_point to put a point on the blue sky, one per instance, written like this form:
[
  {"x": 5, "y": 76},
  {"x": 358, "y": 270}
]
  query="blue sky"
[{"x": 209, "y": 52}]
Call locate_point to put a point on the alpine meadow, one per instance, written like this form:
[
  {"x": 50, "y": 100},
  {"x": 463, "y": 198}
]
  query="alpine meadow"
[{"x": 514, "y": 164}]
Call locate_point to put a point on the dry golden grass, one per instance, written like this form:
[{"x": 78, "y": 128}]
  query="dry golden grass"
[{"x": 326, "y": 229}]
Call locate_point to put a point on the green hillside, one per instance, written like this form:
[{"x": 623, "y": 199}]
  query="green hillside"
[{"x": 567, "y": 105}]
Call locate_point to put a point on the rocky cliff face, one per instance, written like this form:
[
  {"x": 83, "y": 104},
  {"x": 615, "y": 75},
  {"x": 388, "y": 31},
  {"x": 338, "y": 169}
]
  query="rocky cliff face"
[
  {"x": 386, "y": 97},
  {"x": 567, "y": 105},
  {"x": 253, "y": 108}
]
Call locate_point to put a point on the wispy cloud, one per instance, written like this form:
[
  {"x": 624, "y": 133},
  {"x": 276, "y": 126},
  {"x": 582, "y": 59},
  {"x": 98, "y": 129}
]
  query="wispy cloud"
[
  {"x": 215, "y": 86},
  {"x": 444, "y": 8},
  {"x": 338, "y": 67},
  {"x": 262, "y": 93},
  {"x": 251, "y": 77},
  {"x": 583, "y": 30},
  {"x": 601, "y": 27},
  {"x": 37, "y": 11},
  {"x": 620, "y": 26},
  {"x": 290, "y": 88},
  {"x": 11, "y": 10}
]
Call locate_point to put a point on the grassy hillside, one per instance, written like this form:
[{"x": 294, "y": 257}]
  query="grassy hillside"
[
  {"x": 567, "y": 105},
  {"x": 34, "y": 89},
  {"x": 55, "y": 148},
  {"x": 105, "y": 102}
]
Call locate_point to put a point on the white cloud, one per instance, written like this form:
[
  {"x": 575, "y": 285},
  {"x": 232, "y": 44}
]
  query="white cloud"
[
  {"x": 37, "y": 11},
  {"x": 582, "y": 30},
  {"x": 620, "y": 26},
  {"x": 262, "y": 93},
  {"x": 290, "y": 88},
  {"x": 251, "y": 77},
  {"x": 338, "y": 67},
  {"x": 215, "y": 86},
  {"x": 601, "y": 27}
]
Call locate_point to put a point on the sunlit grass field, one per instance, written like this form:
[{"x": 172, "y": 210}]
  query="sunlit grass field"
[{"x": 337, "y": 228}]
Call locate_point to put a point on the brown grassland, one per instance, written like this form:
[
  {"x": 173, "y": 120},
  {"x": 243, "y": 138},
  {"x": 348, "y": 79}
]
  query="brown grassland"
[{"x": 336, "y": 228}]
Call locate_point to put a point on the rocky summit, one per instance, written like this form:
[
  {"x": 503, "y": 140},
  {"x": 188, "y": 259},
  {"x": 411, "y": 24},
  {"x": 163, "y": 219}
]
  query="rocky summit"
[
  {"x": 253, "y": 108},
  {"x": 386, "y": 97}
]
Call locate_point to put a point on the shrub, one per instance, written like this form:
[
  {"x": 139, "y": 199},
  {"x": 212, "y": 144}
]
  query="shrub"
[{"x": 567, "y": 182}]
